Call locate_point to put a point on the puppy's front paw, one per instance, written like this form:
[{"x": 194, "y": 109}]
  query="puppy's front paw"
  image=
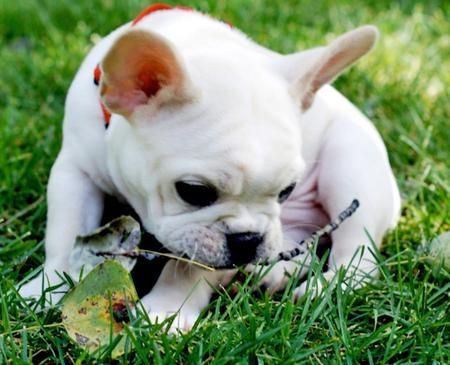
[
  {"x": 33, "y": 289},
  {"x": 350, "y": 280},
  {"x": 179, "y": 318},
  {"x": 277, "y": 278},
  {"x": 38, "y": 286},
  {"x": 177, "y": 322},
  {"x": 314, "y": 286}
]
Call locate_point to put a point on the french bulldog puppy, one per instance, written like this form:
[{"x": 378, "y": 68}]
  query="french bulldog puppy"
[{"x": 228, "y": 152}]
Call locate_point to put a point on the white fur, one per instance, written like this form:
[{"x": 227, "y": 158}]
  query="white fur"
[{"x": 254, "y": 122}]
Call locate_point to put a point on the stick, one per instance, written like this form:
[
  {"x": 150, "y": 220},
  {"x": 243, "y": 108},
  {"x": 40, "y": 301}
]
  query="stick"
[
  {"x": 145, "y": 254},
  {"x": 309, "y": 242},
  {"x": 282, "y": 256}
]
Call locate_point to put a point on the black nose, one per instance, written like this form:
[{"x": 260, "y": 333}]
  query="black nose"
[{"x": 242, "y": 246}]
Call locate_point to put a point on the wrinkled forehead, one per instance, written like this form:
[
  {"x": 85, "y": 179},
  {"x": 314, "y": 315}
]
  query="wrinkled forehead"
[
  {"x": 231, "y": 155},
  {"x": 242, "y": 123}
]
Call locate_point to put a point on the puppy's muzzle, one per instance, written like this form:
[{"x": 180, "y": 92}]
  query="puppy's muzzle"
[{"x": 243, "y": 246}]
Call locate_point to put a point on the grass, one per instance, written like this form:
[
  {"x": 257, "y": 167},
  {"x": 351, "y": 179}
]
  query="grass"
[{"x": 402, "y": 317}]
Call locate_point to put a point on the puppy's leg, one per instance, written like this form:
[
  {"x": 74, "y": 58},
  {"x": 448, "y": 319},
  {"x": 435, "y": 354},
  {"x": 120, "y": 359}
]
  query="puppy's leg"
[
  {"x": 278, "y": 276},
  {"x": 74, "y": 207},
  {"x": 353, "y": 164},
  {"x": 182, "y": 290}
]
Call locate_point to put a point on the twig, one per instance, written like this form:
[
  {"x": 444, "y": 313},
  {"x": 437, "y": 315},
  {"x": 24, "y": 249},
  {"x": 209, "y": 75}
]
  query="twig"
[
  {"x": 309, "y": 242},
  {"x": 282, "y": 256},
  {"x": 172, "y": 256},
  {"x": 140, "y": 252}
]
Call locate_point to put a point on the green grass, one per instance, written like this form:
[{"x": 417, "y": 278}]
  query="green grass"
[{"x": 402, "y": 317}]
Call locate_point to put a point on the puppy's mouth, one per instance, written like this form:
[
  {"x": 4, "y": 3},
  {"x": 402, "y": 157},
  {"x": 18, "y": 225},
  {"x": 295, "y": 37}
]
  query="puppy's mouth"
[
  {"x": 231, "y": 260},
  {"x": 239, "y": 249}
]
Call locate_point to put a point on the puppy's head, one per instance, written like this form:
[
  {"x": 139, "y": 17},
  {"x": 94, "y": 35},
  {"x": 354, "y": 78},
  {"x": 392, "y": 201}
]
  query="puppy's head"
[{"x": 206, "y": 144}]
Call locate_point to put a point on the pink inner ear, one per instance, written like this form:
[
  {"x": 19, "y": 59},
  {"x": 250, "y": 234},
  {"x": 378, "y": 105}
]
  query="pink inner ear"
[
  {"x": 123, "y": 101},
  {"x": 136, "y": 68},
  {"x": 123, "y": 97},
  {"x": 148, "y": 83},
  {"x": 334, "y": 65}
]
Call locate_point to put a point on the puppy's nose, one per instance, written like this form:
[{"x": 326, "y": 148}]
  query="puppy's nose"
[{"x": 242, "y": 246}]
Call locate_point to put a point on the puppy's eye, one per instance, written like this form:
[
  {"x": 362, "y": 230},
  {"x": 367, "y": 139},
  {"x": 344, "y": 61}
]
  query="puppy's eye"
[
  {"x": 282, "y": 197},
  {"x": 196, "y": 194}
]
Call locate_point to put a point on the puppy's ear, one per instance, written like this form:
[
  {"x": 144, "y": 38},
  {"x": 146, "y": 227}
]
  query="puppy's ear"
[
  {"x": 141, "y": 67},
  {"x": 311, "y": 69}
]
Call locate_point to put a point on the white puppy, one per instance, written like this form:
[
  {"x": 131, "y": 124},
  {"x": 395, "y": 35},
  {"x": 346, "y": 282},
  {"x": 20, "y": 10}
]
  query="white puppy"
[{"x": 210, "y": 133}]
